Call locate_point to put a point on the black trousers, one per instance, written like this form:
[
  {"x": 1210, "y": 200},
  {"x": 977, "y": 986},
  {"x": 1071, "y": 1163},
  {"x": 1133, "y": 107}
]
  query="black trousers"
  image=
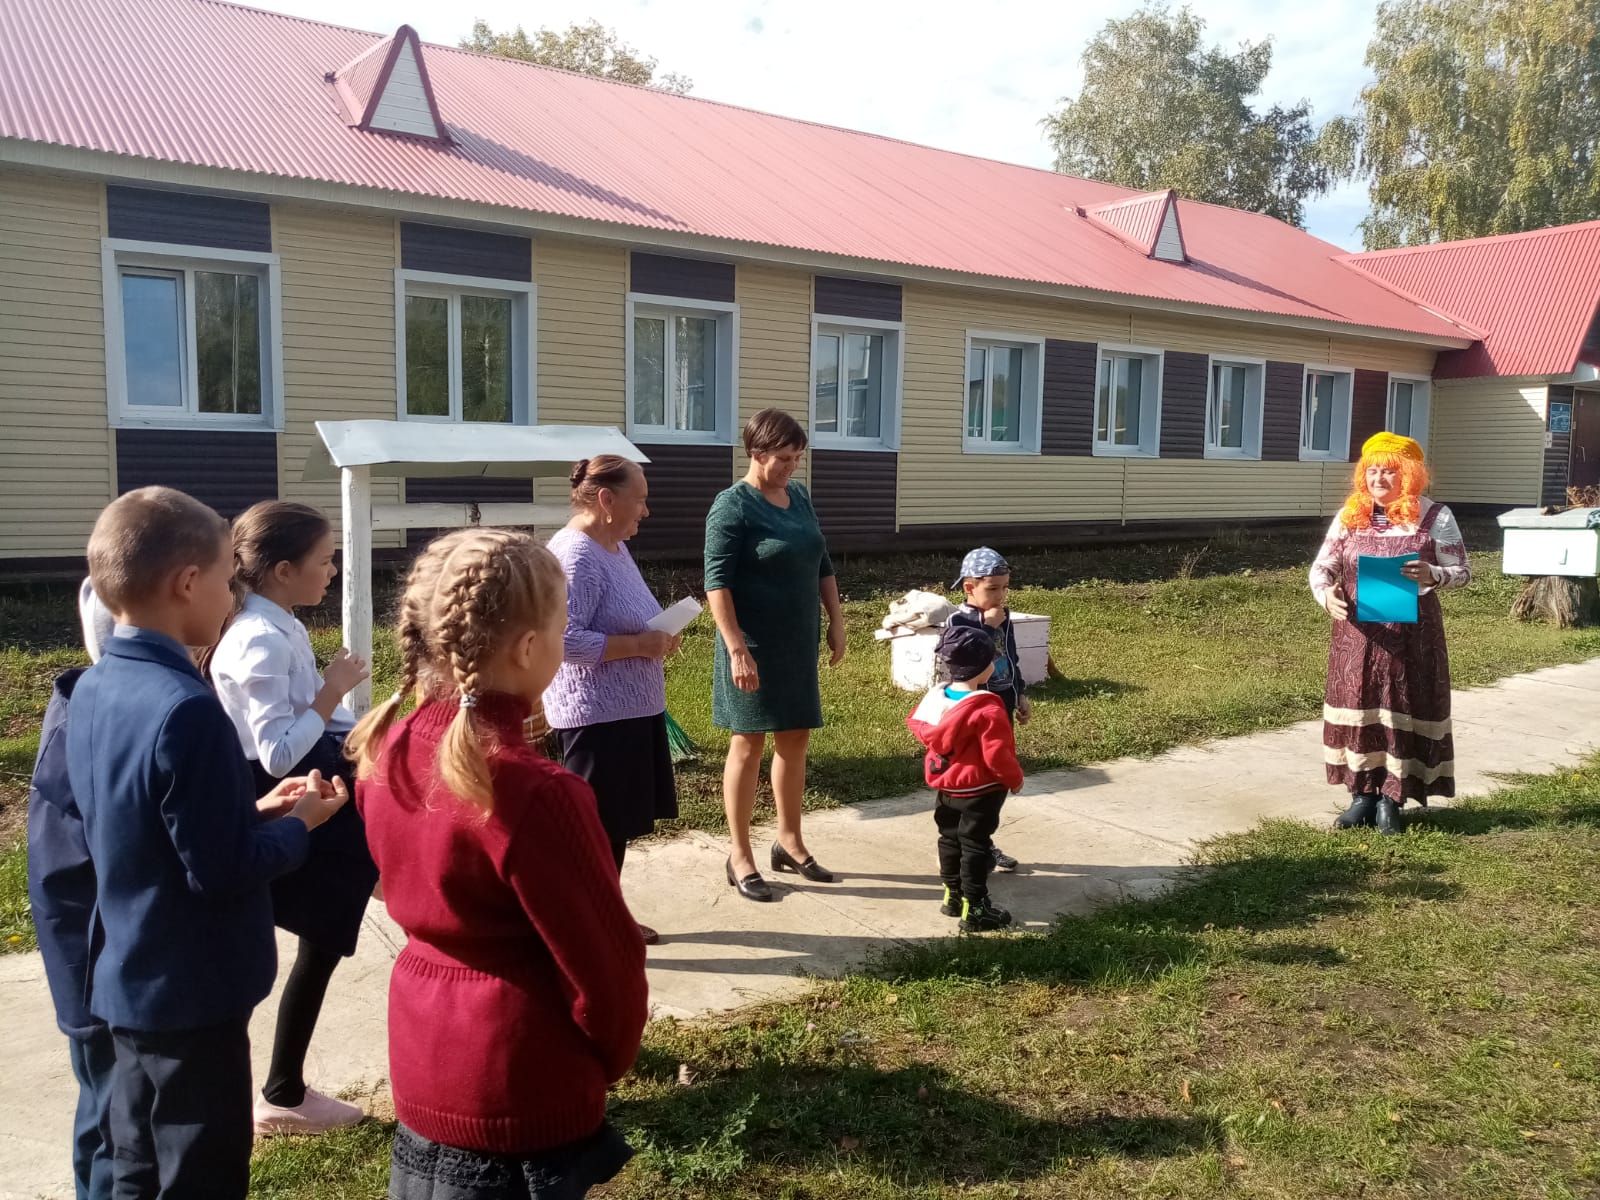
[
  {"x": 180, "y": 1114},
  {"x": 966, "y": 840}
]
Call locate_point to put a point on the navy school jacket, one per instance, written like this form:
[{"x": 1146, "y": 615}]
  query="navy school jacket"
[
  {"x": 181, "y": 936},
  {"x": 60, "y": 875}
]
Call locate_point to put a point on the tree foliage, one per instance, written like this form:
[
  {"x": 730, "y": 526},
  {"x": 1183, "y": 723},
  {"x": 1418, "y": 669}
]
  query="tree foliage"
[
  {"x": 590, "y": 49},
  {"x": 1483, "y": 118},
  {"x": 1159, "y": 109}
]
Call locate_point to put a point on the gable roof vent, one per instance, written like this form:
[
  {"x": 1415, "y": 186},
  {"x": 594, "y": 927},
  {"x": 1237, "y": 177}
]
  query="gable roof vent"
[
  {"x": 385, "y": 89},
  {"x": 1148, "y": 223}
]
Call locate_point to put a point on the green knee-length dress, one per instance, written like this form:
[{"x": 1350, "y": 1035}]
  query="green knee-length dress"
[{"x": 772, "y": 561}]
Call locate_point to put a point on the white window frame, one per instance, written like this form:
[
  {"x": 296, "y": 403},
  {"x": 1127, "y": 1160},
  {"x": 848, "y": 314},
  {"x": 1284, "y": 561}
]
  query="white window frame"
[
  {"x": 117, "y": 253},
  {"x": 1339, "y": 430},
  {"x": 524, "y": 349},
  {"x": 1032, "y": 417},
  {"x": 894, "y": 357},
  {"x": 643, "y": 304},
  {"x": 1421, "y": 396},
  {"x": 1255, "y": 405},
  {"x": 1149, "y": 409}
]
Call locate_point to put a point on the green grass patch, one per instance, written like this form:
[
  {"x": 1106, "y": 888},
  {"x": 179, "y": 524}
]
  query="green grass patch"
[{"x": 1311, "y": 1015}]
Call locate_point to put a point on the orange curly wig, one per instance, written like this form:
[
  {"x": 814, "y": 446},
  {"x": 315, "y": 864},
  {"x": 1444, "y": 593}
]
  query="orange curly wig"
[{"x": 1387, "y": 450}]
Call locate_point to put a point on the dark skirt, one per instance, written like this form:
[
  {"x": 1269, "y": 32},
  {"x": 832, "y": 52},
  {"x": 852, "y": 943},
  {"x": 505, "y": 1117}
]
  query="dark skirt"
[
  {"x": 424, "y": 1170},
  {"x": 629, "y": 766},
  {"x": 324, "y": 899}
]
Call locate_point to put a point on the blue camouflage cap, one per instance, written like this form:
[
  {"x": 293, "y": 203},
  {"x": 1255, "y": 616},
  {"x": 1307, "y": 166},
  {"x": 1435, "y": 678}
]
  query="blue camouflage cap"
[{"x": 981, "y": 563}]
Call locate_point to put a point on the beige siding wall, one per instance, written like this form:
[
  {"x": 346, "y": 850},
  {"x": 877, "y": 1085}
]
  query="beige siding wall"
[
  {"x": 1486, "y": 445},
  {"x": 936, "y": 475},
  {"x": 338, "y": 337},
  {"x": 582, "y": 289},
  {"x": 774, "y": 348},
  {"x": 57, "y": 469}
]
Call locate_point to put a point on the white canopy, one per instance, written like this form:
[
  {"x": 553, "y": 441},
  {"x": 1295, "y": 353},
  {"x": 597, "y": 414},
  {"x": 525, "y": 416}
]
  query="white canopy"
[{"x": 422, "y": 448}]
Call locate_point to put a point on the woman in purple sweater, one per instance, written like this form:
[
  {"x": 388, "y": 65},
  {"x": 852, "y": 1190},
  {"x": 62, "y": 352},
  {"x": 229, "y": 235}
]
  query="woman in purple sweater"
[{"x": 608, "y": 702}]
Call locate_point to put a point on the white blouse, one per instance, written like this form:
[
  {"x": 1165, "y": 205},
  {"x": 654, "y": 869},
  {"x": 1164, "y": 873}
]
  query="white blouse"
[
  {"x": 1450, "y": 548},
  {"x": 266, "y": 676}
]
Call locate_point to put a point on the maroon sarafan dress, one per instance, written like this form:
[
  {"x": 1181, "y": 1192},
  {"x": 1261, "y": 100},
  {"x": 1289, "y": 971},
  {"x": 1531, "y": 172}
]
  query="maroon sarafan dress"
[{"x": 1386, "y": 713}]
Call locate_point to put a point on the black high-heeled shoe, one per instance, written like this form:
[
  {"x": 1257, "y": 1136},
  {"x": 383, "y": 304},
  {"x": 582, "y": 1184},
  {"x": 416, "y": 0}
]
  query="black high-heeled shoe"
[
  {"x": 811, "y": 869},
  {"x": 751, "y": 887}
]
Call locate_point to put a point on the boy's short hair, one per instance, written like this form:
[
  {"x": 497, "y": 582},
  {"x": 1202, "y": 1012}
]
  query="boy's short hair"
[
  {"x": 982, "y": 563},
  {"x": 145, "y": 535}
]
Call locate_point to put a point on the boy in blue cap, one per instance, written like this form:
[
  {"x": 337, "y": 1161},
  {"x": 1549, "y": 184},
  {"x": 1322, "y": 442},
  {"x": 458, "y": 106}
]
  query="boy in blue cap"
[{"x": 985, "y": 583}]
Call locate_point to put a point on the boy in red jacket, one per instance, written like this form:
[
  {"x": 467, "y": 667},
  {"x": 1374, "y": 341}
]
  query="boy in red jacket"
[{"x": 972, "y": 764}]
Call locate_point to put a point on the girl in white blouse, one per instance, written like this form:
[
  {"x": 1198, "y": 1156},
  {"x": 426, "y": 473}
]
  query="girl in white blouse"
[{"x": 289, "y": 719}]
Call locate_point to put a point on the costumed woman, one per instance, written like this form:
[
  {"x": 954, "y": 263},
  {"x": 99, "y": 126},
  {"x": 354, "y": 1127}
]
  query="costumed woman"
[{"x": 1386, "y": 716}]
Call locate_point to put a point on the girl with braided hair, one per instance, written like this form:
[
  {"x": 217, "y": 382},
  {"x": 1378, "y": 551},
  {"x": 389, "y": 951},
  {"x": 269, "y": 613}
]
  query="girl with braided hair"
[
  {"x": 1386, "y": 714},
  {"x": 520, "y": 995}
]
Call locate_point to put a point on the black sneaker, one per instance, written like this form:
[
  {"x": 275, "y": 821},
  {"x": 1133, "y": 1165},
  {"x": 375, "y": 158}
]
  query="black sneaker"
[
  {"x": 981, "y": 916},
  {"x": 952, "y": 903},
  {"x": 1003, "y": 862}
]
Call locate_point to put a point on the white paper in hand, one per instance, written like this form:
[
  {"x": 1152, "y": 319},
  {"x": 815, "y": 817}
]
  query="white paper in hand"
[{"x": 676, "y": 619}]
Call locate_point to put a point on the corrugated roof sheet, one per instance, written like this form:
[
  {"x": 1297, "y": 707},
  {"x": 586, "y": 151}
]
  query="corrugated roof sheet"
[
  {"x": 212, "y": 84},
  {"x": 1532, "y": 296},
  {"x": 1137, "y": 218}
]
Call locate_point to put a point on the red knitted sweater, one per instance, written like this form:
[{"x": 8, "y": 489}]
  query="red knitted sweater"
[{"x": 520, "y": 995}]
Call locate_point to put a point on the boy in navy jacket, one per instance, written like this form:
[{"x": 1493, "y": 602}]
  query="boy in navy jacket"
[
  {"x": 181, "y": 945},
  {"x": 61, "y": 890}
]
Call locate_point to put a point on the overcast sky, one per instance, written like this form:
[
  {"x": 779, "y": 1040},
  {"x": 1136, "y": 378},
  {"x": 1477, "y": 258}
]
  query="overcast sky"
[{"x": 963, "y": 76}]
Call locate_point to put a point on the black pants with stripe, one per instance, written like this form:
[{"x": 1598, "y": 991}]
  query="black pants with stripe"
[{"x": 966, "y": 840}]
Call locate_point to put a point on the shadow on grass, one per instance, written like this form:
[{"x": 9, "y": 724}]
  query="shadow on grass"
[
  {"x": 1476, "y": 818},
  {"x": 1067, "y": 690},
  {"x": 913, "y": 1125}
]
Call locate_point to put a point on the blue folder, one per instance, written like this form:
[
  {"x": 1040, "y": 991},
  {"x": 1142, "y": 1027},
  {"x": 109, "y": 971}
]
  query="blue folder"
[{"x": 1382, "y": 593}]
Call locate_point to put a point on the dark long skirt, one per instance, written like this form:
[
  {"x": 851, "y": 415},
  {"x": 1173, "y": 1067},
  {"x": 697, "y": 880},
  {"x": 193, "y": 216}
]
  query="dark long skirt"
[
  {"x": 629, "y": 765},
  {"x": 324, "y": 899},
  {"x": 424, "y": 1170}
]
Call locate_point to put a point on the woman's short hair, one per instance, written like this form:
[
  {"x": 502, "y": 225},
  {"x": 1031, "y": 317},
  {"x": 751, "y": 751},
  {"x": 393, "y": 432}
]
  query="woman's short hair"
[{"x": 771, "y": 430}]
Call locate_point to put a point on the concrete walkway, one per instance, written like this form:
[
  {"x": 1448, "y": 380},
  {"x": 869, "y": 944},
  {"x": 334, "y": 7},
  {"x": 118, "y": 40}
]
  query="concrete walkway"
[{"x": 1085, "y": 837}]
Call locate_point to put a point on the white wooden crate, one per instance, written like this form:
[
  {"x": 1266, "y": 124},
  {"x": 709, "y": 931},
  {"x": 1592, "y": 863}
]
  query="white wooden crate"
[{"x": 911, "y": 658}]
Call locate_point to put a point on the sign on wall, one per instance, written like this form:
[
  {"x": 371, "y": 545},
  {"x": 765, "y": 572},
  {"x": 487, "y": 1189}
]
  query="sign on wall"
[{"x": 1560, "y": 416}]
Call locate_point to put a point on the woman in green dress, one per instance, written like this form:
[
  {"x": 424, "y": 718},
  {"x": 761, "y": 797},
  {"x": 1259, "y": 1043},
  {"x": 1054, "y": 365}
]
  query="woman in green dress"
[{"x": 767, "y": 571}]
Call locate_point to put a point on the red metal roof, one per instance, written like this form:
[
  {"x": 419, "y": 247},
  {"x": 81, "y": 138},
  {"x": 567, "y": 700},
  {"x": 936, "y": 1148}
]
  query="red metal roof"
[
  {"x": 1137, "y": 219},
  {"x": 1532, "y": 296},
  {"x": 213, "y": 84}
]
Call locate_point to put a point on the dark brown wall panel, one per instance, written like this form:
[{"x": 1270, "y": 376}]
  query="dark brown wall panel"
[
  {"x": 1069, "y": 375},
  {"x": 857, "y": 298},
  {"x": 1183, "y": 405},
  {"x": 144, "y": 215},
  {"x": 853, "y": 492},
  {"x": 694, "y": 278},
  {"x": 1369, "y": 408},
  {"x": 229, "y": 469},
  {"x": 684, "y": 480},
  {"x": 1283, "y": 383},
  {"x": 452, "y": 251}
]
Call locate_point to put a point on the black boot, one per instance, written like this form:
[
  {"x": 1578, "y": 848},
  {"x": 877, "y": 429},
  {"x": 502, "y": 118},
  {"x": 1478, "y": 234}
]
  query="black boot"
[
  {"x": 1388, "y": 817},
  {"x": 1358, "y": 814}
]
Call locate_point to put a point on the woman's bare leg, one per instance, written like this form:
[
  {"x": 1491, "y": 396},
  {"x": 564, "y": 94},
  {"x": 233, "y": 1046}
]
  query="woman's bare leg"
[
  {"x": 789, "y": 787},
  {"x": 739, "y": 796}
]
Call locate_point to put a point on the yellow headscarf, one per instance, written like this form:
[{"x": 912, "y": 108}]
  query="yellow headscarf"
[{"x": 1391, "y": 443}]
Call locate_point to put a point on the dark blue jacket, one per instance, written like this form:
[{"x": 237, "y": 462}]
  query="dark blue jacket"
[
  {"x": 182, "y": 931},
  {"x": 60, "y": 875},
  {"x": 1006, "y": 682}
]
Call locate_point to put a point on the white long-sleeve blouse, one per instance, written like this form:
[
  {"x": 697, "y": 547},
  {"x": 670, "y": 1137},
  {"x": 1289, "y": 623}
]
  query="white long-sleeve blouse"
[
  {"x": 266, "y": 676},
  {"x": 1452, "y": 570}
]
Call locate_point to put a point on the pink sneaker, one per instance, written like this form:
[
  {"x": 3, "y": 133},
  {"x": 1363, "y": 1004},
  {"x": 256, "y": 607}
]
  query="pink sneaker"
[{"x": 315, "y": 1114}]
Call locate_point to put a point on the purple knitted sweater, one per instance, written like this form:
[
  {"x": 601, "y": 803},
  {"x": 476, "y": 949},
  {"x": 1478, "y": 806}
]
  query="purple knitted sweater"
[{"x": 605, "y": 595}]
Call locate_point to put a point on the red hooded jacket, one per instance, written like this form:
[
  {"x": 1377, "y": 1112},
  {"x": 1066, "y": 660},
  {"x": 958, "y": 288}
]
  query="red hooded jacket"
[{"x": 971, "y": 744}]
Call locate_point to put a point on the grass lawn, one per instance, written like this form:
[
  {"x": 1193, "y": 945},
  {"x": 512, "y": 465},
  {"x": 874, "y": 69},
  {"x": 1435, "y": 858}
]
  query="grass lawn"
[
  {"x": 1160, "y": 645},
  {"x": 1314, "y": 1015}
]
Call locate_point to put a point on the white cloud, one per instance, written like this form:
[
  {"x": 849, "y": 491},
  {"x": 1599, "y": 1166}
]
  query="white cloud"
[{"x": 938, "y": 73}]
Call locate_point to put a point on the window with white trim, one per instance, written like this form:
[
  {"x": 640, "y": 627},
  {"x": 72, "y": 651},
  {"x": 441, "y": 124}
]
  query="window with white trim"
[
  {"x": 1409, "y": 397},
  {"x": 464, "y": 349},
  {"x": 855, "y": 385},
  {"x": 681, "y": 383},
  {"x": 1233, "y": 408},
  {"x": 190, "y": 337},
  {"x": 1004, "y": 393},
  {"x": 1127, "y": 409},
  {"x": 1325, "y": 413}
]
